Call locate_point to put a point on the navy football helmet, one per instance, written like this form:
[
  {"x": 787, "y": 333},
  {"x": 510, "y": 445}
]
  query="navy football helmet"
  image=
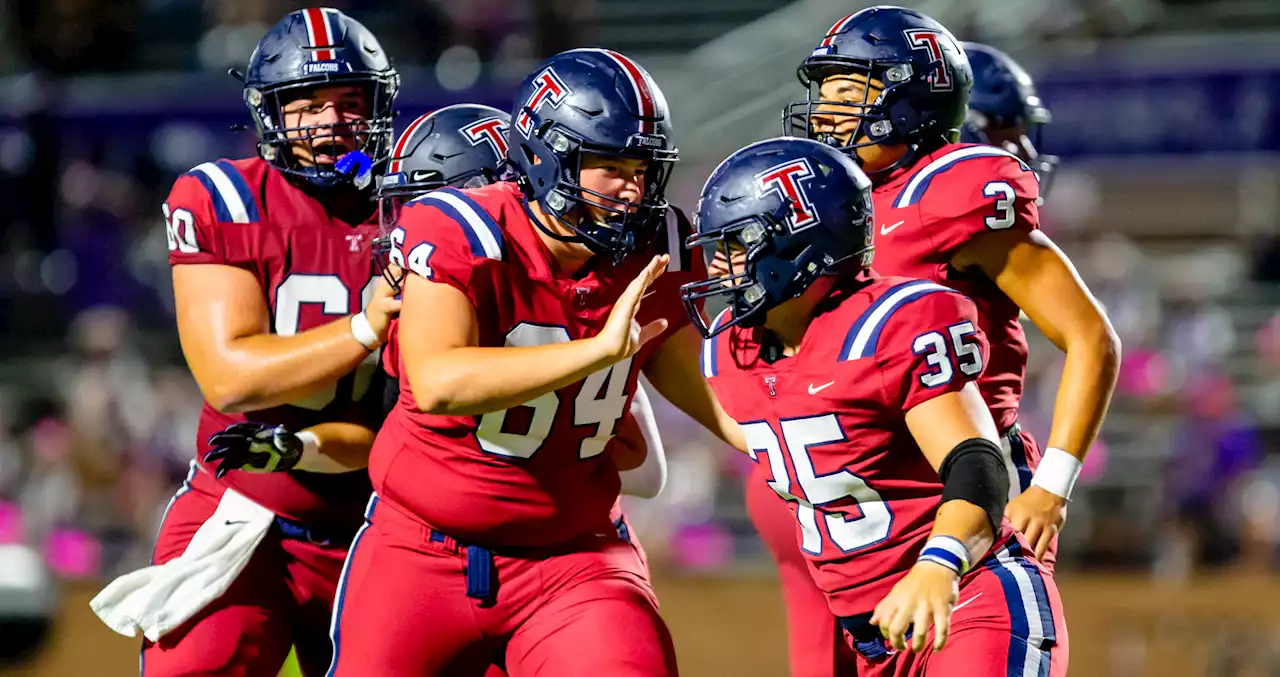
[
  {"x": 1004, "y": 110},
  {"x": 462, "y": 146},
  {"x": 925, "y": 75},
  {"x": 311, "y": 48},
  {"x": 796, "y": 208},
  {"x": 596, "y": 101}
]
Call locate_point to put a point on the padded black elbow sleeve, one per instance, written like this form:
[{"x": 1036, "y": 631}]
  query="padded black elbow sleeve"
[{"x": 974, "y": 471}]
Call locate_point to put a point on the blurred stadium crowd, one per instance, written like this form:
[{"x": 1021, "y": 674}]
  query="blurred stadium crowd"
[{"x": 98, "y": 412}]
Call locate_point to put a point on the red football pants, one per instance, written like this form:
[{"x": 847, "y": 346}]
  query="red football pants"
[
  {"x": 1008, "y": 622},
  {"x": 626, "y": 533},
  {"x": 402, "y": 609},
  {"x": 815, "y": 642},
  {"x": 281, "y": 599}
]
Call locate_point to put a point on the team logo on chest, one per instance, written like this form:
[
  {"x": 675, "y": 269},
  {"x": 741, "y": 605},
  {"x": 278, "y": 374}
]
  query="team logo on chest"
[
  {"x": 931, "y": 42},
  {"x": 353, "y": 241},
  {"x": 771, "y": 382},
  {"x": 547, "y": 88},
  {"x": 492, "y": 131},
  {"x": 787, "y": 180}
]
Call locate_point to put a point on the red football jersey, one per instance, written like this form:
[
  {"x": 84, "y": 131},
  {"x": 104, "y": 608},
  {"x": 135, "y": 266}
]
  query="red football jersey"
[
  {"x": 313, "y": 268},
  {"x": 534, "y": 474},
  {"x": 928, "y": 211},
  {"x": 830, "y": 423}
]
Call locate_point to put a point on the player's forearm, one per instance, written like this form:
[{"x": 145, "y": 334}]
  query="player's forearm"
[
  {"x": 266, "y": 370},
  {"x": 675, "y": 373},
  {"x": 694, "y": 397},
  {"x": 1088, "y": 380},
  {"x": 967, "y": 523},
  {"x": 469, "y": 381},
  {"x": 335, "y": 448}
]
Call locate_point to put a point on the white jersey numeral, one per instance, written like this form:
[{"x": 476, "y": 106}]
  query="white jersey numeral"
[
  {"x": 968, "y": 355},
  {"x": 590, "y": 407},
  {"x": 180, "y": 230},
  {"x": 1004, "y": 195},
  {"x": 331, "y": 294},
  {"x": 800, "y": 435}
]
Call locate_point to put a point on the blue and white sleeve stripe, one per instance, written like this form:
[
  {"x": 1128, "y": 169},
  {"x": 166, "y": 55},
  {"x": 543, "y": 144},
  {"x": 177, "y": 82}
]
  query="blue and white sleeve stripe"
[
  {"x": 919, "y": 183},
  {"x": 863, "y": 336},
  {"x": 233, "y": 201},
  {"x": 481, "y": 230}
]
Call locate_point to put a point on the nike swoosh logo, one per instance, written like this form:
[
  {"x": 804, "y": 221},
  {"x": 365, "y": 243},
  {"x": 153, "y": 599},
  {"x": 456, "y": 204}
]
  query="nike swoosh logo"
[
  {"x": 885, "y": 230},
  {"x": 231, "y": 522},
  {"x": 814, "y": 390},
  {"x": 965, "y": 603}
]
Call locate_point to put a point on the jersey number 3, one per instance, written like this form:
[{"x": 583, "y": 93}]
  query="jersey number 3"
[
  {"x": 848, "y": 533},
  {"x": 598, "y": 403}
]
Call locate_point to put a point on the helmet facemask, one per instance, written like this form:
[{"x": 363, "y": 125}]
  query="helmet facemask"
[
  {"x": 627, "y": 227},
  {"x": 878, "y": 110},
  {"x": 292, "y": 148},
  {"x": 778, "y": 265}
]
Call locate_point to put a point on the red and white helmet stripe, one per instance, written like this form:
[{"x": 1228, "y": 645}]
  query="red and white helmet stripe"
[
  {"x": 398, "y": 152},
  {"x": 321, "y": 32},
  {"x": 835, "y": 29},
  {"x": 640, "y": 84}
]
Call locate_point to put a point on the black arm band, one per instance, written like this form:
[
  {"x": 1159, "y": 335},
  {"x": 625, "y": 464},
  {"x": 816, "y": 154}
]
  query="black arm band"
[{"x": 974, "y": 471}]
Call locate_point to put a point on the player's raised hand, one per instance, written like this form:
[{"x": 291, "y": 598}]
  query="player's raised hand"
[
  {"x": 925, "y": 596},
  {"x": 1039, "y": 515},
  {"x": 622, "y": 336},
  {"x": 254, "y": 447},
  {"x": 384, "y": 306}
]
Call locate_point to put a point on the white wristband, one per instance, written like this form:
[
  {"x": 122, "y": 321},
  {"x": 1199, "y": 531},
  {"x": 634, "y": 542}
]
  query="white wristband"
[
  {"x": 947, "y": 551},
  {"x": 310, "y": 445},
  {"x": 1057, "y": 473},
  {"x": 363, "y": 331}
]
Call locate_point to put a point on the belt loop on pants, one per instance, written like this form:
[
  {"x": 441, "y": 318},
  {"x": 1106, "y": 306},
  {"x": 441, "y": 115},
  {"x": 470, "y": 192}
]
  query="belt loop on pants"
[{"x": 481, "y": 581}]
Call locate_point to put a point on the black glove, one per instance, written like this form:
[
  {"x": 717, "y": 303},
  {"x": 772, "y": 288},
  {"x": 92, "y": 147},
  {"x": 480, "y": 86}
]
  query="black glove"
[{"x": 254, "y": 447}]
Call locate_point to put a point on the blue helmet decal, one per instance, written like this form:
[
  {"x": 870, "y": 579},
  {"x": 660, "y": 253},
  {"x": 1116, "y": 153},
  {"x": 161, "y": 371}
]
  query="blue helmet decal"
[
  {"x": 773, "y": 217},
  {"x": 601, "y": 102},
  {"x": 915, "y": 66},
  {"x": 459, "y": 146},
  {"x": 1006, "y": 112},
  {"x": 309, "y": 49}
]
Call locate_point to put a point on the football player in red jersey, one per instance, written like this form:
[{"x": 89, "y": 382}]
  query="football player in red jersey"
[
  {"x": 858, "y": 394},
  {"x": 459, "y": 146},
  {"x": 272, "y": 268},
  {"x": 521, "y": 339},
  {"x": 890, "y": 86}
]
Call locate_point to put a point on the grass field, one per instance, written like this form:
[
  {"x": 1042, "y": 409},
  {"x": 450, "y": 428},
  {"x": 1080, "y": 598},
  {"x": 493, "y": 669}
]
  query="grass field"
[{"x": 290, "y": 668}]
